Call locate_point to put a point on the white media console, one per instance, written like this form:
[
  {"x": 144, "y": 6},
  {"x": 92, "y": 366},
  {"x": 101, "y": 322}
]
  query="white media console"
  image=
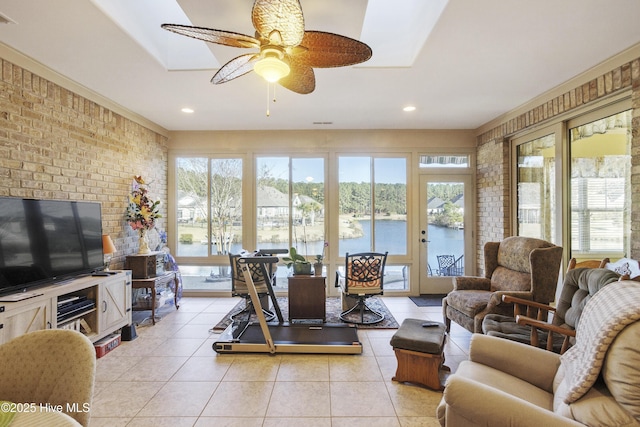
[{"x": 106, "y": 308}]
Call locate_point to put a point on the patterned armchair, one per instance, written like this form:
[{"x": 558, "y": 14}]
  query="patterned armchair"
[
  {"x": 51, "y": 366},
  {"x": 524, "y": 267}
]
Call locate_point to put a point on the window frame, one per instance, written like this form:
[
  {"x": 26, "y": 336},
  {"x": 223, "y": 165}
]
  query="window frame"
[{"x": 560, "y": 126}]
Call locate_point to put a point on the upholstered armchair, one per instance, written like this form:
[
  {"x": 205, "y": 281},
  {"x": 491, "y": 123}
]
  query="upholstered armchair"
[
  {"x": 363, "y": 277},
  {"x": 52, "y": 366},
  {"x": 529, "y": 325},
  {"x": 524, "y": 267},
  {"x": 596, "y": 382}
]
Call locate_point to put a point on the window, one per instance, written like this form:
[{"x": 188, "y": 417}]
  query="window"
[
  {"x": 209, "y": 218},
  {"x": 373, "y": 204},
  {"x": 209, "y": 206},
  {"x": 601, "y": 186},
  {"x": 536, "y": 204},
  {"x": 590, "y": 171},
  {"x": 290, "y": 204},
  {"x": 444, "y": 161}
]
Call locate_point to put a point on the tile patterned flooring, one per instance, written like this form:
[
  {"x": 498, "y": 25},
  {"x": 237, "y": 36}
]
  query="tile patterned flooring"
[{"x": 170, "y": 376}]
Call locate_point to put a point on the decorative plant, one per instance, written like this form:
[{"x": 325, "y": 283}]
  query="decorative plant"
[
  {"x": 294, "y": 258},
  {"x": 320, "y": 258},
  {"x": 142, "y": 211}
]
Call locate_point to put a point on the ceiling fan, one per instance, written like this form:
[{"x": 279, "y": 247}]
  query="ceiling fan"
[{"x": 287, "y": 53}]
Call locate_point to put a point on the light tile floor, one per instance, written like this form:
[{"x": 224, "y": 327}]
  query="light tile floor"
[{"x": 170, "y": 376}]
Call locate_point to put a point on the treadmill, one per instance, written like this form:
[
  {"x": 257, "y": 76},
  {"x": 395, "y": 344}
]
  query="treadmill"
[{"x": 282, "y": 337}]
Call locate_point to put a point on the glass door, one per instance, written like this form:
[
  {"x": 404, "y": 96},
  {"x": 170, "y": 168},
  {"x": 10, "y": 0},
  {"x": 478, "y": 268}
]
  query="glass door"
[{"x": 445, "y": 231}]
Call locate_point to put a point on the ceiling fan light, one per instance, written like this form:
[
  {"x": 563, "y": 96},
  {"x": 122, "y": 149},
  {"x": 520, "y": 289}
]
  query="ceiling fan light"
[{"x": 271, "y": 69}]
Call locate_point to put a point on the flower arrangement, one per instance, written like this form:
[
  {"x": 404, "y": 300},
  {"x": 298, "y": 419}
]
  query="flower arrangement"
[
  {"x": 320, "y": 258},
  {"x": 142, "y": 211}
]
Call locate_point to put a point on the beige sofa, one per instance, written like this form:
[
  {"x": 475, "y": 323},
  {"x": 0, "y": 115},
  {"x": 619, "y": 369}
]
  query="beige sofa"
[{"x": 595, "y": 383}]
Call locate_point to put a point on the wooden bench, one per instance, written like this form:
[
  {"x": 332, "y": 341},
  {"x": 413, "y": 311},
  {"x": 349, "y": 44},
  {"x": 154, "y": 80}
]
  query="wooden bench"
[{"x": 420, "y": 353}]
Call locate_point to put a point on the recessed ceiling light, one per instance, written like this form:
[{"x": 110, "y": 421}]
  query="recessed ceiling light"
[
  {"x": 409, "y": 108},
  {"x": 187, "y": 110}
]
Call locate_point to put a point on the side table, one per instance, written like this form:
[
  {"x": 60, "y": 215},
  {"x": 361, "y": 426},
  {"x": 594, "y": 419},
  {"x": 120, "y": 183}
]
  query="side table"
[
  {"x": 307, "y": 297},
  {"x": 156, "y": 282}
]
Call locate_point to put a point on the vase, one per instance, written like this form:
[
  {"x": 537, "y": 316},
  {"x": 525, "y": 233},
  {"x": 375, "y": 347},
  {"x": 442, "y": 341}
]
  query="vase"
[
  {"x": 143, "y": 242},
  {"x": 317, "y": 268},
  {"x": 302, "y": 268}
]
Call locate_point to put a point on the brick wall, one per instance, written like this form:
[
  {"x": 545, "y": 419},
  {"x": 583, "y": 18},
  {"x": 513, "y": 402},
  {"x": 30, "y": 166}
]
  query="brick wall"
[
  {"x": 494, "y": 214},
  {"x": 55, "y": 144}
]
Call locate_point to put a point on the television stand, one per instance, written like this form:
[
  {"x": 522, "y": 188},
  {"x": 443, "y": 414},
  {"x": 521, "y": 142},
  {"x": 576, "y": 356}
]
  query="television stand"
[
  {"x": 108, "y": 308},
  {"x": 19, "y": 296}
]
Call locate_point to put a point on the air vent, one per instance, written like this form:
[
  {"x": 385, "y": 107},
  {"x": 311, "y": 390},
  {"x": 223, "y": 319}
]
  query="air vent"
[{"x": 4, "y": 19}]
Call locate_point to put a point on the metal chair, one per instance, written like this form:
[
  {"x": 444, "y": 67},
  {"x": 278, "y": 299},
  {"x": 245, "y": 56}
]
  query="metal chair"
[
  {"x": 457, "y": 269},
  {"x": 363, "y": 278},
  {"x": 445, "y": 263}
]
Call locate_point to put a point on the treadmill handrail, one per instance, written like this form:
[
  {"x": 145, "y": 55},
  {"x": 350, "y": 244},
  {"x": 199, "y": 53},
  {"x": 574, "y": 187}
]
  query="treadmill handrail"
[
  {"x": 258, "y": 259},
  {"x": 272, "y": 251},
  {"x": 263, "y": 261},
  {"x": 255, "y": 299}
]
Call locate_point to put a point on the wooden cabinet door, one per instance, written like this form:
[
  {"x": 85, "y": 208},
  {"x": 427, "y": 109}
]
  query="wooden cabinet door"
[
  {"x": 307, "y": 297},
  {"x": 24, "y": 319},
  {"x": 114, "y": 308}
]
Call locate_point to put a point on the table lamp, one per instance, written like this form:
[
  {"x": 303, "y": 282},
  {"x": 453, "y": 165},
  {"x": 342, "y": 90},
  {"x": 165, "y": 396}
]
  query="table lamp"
[{"x": 108, "y": 248}]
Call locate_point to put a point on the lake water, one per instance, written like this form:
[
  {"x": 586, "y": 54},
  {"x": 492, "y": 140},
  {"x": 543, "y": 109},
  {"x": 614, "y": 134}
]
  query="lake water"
[{"x": 389, "y": 237}]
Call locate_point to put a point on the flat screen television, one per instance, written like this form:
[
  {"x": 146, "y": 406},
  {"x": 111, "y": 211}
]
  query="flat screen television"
[{"x": 45, "y": 241}]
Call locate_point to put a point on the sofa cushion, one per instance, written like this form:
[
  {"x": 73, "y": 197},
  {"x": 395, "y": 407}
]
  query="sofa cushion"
[
  {"x": 469, "y": 302},
  {"x": 497, "y": 325},
  {"x": 621, "y": 369},
  {"x": 504, "y": 279},
  {"x": 589, "y": 281},
  {"x": 596, "y": 408},
  {"x": 609, "y": 312}
]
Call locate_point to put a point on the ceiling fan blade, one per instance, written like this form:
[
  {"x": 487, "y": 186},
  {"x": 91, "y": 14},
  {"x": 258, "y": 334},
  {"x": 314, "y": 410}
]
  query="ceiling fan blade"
[
  {"x": 225, "y": 38},
  {"x": 301, "y": 79},
  {"x": 235, "y": 68},
  {"x": 283, "y": 16},
  {"x": 324, "y": 50}
]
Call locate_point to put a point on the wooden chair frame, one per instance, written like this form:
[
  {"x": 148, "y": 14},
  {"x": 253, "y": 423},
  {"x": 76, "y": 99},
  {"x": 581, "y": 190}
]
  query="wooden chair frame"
[{"x": 535, "y": 315}]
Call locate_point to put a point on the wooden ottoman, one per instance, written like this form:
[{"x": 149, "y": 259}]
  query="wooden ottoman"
[{"x": 420, "y": 352}]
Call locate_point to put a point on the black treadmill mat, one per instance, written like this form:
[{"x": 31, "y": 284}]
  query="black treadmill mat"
[{"x": 321, "y": 334}]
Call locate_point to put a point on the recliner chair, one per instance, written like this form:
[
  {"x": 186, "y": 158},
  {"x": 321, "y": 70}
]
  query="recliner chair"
[
  {"x": 528, "y": 325},
  {"x": 595, "y": 383},
  {"x": 520, "y": 266}
]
